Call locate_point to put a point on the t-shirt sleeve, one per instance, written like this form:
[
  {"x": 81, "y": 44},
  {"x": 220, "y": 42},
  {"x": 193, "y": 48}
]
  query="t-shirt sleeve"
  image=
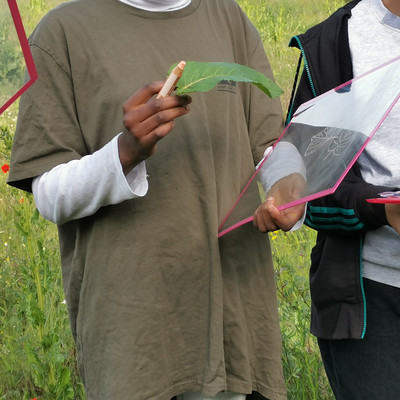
[
  {"x": 265, "y": 118},
  {"x": 48, "y": 131}
]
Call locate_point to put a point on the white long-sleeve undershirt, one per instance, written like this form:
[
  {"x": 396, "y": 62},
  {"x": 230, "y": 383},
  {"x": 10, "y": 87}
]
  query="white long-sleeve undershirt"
[{"x": 79, "y": 188}]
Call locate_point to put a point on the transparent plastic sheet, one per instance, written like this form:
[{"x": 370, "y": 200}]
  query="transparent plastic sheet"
[
  {"x": 15, "y": 55},
  {"x": 320, "y": 144}
]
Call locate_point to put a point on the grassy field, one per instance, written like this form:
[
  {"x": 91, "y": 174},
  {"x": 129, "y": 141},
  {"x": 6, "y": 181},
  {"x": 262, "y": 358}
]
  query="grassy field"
[{"x": 37, "y": 355}]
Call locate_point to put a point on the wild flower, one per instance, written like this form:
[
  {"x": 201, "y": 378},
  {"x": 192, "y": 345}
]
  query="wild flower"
[
  {"x": 5, "y": 168},
  {"x": 274, "y": 235}
]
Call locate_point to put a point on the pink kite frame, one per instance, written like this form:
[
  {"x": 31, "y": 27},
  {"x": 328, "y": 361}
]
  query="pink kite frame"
[
  {"x": 12, "y": 4},
  {"x": 385, "y": 200},
  {"x": 323, "y": 192}
]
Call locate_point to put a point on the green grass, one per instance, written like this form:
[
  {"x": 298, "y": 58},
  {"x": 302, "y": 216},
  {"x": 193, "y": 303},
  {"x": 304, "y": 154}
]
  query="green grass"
[
  {"x": 37, "y": 354},
  {"x": 278, "y": 21}
]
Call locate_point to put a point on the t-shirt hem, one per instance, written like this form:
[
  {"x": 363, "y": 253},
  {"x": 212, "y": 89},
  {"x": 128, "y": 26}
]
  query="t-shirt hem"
[
  {"x": 232, "y": 385},
  {"x": 256, "y": 386}
]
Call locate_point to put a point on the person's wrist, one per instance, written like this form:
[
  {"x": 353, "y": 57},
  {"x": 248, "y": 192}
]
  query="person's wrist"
[{"x": 127, "y": 154}]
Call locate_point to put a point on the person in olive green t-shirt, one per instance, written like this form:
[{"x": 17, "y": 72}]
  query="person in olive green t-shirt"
[{"x": 159, "y": 306}]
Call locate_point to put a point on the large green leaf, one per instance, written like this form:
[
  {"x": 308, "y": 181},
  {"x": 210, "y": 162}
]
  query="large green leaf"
[{"x": 203, "y": 76}]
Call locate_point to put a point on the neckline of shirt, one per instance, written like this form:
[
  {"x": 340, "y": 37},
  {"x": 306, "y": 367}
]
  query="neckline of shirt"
[
  {"x": 158, "y": 5},
  {"x": 384, "y": 15},
  {"x": 127, "y": 8}
]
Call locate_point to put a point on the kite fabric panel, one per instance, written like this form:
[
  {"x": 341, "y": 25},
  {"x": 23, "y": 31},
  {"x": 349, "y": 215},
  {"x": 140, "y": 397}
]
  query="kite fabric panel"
[{"x": 320, "y": 144}]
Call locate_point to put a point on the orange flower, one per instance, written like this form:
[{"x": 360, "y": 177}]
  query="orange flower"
[{"x": 5, "y": 168}]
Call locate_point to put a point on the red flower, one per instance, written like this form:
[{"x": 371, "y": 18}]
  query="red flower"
[{"x": 5, "y": 168}]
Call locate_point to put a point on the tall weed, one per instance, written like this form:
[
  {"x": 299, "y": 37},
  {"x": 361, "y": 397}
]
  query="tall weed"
[{"x": 36, "y": 349}]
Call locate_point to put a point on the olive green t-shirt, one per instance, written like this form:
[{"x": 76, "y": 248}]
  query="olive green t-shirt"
[{"x": 158, "y": 304}]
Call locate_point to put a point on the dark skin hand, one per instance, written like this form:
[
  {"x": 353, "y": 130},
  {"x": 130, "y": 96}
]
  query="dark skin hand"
[
  {"x": 393, "y": 216},
  {"x": 268, "y": 218},
  {"x": 147, "y": 120}
]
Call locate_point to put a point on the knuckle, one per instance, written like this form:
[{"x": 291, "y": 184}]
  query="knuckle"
[
  {"x": 125, "y": 107},
  {"x": 158, "y": 134},
  {"x": 151, "y": 86},
  {"x": 127, "y": 123},
  {"x": 160, "y": 117},
  {"x": 155, "y": 106},
  {"x": 131, "y": 129}
]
